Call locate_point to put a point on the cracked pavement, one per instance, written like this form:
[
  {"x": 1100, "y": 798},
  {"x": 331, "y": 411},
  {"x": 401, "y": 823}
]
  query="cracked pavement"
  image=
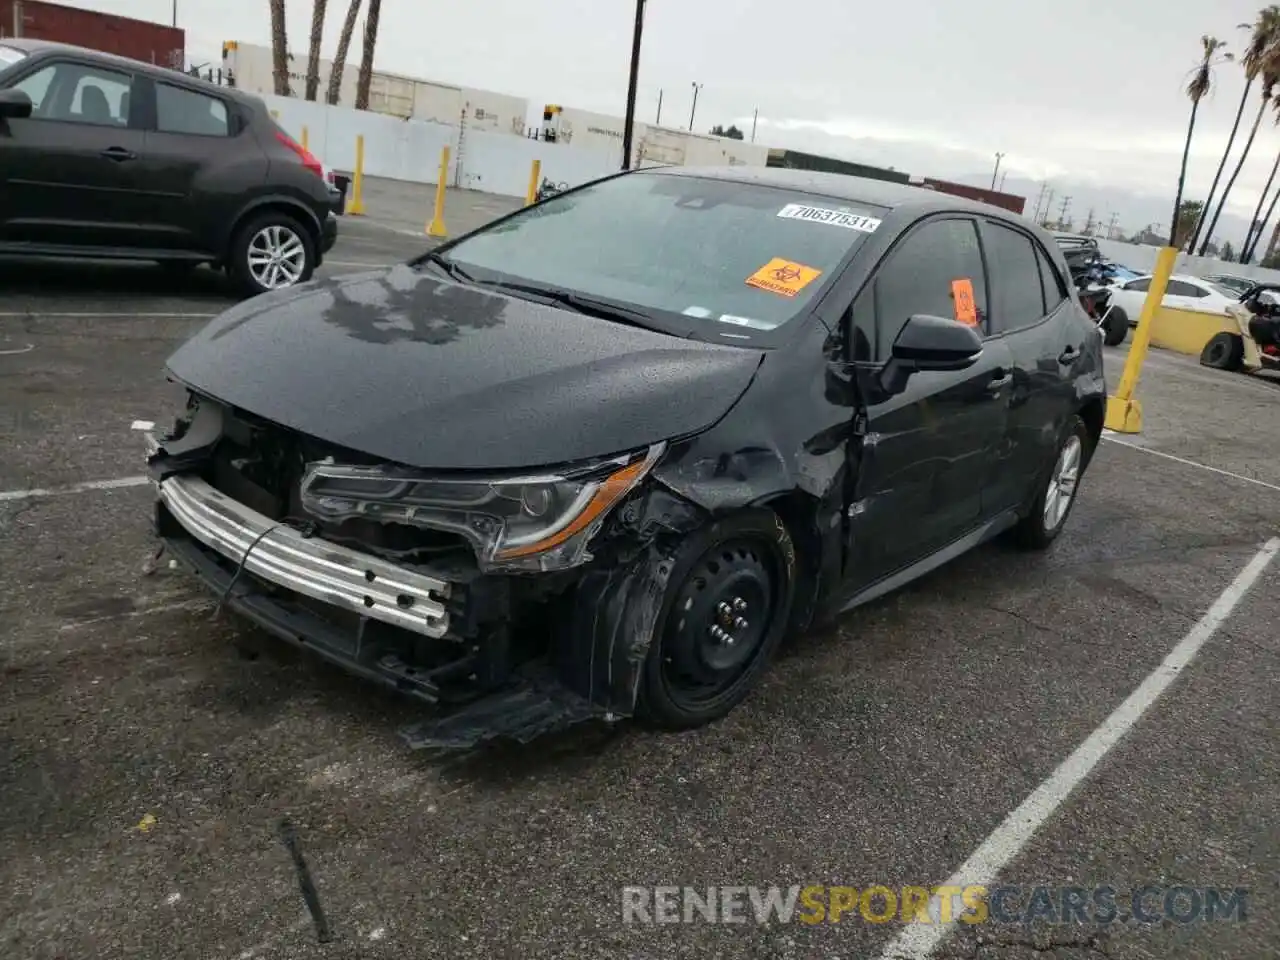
[{"x": 149, "y": 751}]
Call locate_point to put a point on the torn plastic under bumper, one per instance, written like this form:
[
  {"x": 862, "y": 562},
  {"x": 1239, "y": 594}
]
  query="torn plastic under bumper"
[{"x": 311, "y": 566}]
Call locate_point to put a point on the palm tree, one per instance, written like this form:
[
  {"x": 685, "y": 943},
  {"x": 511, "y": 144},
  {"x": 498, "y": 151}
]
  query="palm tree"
[
  {"x": 366, "y": 56},
  {"x": 313, "y": 53},
  {"x": 1199, "y": 84},
  {"x": 1247, "y": 254},
  {"x": 1260, "y": 60},
  {"x": 340, "y": 58},
  {"x": 279, "y": 49}
]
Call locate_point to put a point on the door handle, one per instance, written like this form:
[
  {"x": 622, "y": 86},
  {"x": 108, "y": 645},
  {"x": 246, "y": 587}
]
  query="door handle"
[
  {"x": 999, "y": 380},
  {"x": 1069, "y": 355},
  {"x": 118, "y": 154}
]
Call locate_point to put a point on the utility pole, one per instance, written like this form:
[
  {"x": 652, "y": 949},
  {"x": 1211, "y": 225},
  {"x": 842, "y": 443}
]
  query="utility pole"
[
  {"x": 17, "y": 19},
  {"x": 1062, "y": 213},
  {"x": 175, "y": 12},
  {"x": 1111, "y": 226},
  {"x": 754, "y": 117},
  {"x": 657, "y": 121},
  {"x": 1088, "y": 222},
  {"x": 1035, "y": 217},
  {"x": 999, "y": 157},
  {"x": 694, "y": 109},
  {"x": 1002, "y": 179},
  {"x": 629, "y": 122},
  {"x": 1048, "y": 205}
]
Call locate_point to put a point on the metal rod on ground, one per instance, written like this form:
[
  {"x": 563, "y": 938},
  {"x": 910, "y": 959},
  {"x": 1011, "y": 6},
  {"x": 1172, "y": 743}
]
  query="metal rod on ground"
[
  {"x": 630, "y": 119},
  {"x": 436, "y": 227},
  {"x": 1124, "y": 413},
  {"x": 356, "y": 207},
  {"x": 532, "y": 193}
]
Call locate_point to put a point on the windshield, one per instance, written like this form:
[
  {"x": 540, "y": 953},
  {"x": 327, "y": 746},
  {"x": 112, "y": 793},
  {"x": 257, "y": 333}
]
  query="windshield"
[
  {"x": 9, "y": 56},
  {"x": 734, "y": 257},
  {"x": 1224, "y": 289}
]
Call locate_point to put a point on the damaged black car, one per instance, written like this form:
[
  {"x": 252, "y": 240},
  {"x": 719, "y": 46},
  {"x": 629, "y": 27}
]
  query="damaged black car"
[{"x": 601, "y": 456}]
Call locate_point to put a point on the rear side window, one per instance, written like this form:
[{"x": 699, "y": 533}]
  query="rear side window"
[
  {"x": 1050, "y": 280},
  {"x": 1017, "y": 299},
  {"x": 1141, "y": 286},
  {"x": 1180, "y": 288},
  {"x": 929, "y": 272},
  {"x": 185, "y": 111}
]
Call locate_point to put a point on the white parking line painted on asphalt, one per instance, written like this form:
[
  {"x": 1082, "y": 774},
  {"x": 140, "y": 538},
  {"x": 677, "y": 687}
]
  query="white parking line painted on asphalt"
[
  {"x": 86, "y": 487},
  {"x": 99, "y": 314},
  {"x": 919, "y": 940},
  {"x": 1114, "y": 438}
]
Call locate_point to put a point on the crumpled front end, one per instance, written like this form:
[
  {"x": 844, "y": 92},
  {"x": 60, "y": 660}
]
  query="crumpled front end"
[{"x": 457, "y": 593}]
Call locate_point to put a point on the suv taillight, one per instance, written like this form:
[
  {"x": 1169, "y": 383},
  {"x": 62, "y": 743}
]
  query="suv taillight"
[{"x": 308, "y": 158}]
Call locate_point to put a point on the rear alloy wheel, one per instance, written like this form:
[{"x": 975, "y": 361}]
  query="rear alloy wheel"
[
  {"x": 1117, "y": 327},
  {"x": 1057, "y": 493},
  {"x": 1224, "y": 351},
  {"x": 726, "y": 610},
  {"x": 271, "y": 252}
]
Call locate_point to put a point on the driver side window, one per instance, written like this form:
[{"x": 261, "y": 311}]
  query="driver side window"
[{"x": 931, "y": 271}]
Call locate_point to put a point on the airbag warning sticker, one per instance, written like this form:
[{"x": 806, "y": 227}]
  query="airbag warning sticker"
[
  {"x": 834, "y": 218},
  {"x": 783, "y": 277}
]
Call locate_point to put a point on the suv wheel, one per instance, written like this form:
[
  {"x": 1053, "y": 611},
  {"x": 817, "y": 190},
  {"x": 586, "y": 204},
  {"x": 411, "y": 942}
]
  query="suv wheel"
[
  {"x": 1057, "y": 493},
  {"x": 270, "y": 252}
]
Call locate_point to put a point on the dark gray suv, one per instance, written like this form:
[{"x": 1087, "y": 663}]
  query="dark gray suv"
[{"x": 102, "y": 156}]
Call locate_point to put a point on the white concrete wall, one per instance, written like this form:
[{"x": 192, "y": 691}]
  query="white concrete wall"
[{"x": 500, "y": 163}]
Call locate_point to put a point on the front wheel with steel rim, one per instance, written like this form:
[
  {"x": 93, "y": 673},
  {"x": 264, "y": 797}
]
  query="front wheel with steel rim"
[
  {"x": 727, "y": 606},
  {"x": 270, "y": 252},
  {"x": 1058, "y": 489}
]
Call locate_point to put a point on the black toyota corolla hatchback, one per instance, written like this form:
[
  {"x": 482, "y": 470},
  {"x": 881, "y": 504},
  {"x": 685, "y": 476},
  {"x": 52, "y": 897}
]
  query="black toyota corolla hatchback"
[{"x": 599, "y": 457}]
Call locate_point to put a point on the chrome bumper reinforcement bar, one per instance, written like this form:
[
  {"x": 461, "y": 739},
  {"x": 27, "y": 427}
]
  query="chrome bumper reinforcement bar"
[{"x": 312, "y": 566}]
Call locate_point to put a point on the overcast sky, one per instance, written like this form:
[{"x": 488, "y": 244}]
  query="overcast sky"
[{"x": 1087, "y": 92}]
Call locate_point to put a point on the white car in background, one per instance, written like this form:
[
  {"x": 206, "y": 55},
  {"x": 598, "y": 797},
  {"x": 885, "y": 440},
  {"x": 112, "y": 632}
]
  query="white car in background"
[{"x": 1183, "y": 293}]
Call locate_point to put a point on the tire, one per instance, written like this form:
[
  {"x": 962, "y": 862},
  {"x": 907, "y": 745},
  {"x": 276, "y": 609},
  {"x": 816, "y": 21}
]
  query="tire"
[
  {"x": 263, "y": 234},
  {"x": 1117, "y": 328},
  {"x": 1224, "y": 351},
  {"x": 1040, "y": 527},
  {"x": 722, "y": 574}
]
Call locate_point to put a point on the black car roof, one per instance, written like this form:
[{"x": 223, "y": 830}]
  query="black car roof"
[
  {"x": 842, "y": 186},
  {"x": 38, "y": 47}
]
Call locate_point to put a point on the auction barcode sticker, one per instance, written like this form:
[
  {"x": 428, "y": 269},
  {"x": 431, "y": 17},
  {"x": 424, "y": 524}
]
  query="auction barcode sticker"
[{"x": 835, "y": 218}]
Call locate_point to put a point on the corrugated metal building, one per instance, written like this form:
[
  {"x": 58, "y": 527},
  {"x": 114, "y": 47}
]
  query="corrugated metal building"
[
  {"x": 1007, "y": 201},
  {"x": 140, "y": 39},
  {"x": 798, "y": 160}
]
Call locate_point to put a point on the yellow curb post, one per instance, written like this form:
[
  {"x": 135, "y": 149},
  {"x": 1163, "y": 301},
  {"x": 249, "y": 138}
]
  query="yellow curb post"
[
  {"x": 304, "y": 137},
  {"x": 356, "y": 207},
  {"x": 1124, "y": 413},
  {"x": 532, "y": 193},
  {"x": 436, "y": 227}
]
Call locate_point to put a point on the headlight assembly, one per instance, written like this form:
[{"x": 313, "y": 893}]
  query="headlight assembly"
[{"x": 514, "y": 523}]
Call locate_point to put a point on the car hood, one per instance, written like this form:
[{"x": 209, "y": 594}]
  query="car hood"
[{"x": 439, "y": 375}]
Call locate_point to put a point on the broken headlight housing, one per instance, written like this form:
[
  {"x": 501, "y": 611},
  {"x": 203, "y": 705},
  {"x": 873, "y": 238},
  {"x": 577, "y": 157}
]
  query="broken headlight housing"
[{"x": 518, "y": 523}]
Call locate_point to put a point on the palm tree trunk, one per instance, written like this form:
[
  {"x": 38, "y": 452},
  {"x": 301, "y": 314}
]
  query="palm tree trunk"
[
  {"x": 340, "y": 57},
  {"x": 313, "y": 52},
  {"x": 1265, "y": 220},
  {"x": 1255, "y": 228},
  {"x": 1226, "y": 191},
  {"x": 1182, "y": 176},
  {"x": 1222, "y": 164},
  {"x": 279, "y": 50},
  {"x": 366, "y": 56}
]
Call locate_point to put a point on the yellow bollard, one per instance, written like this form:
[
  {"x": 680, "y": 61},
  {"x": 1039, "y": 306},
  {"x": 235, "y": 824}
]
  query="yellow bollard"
[
  {"x": 436, "y": 227},
  {"x": 1124, "y": 413},
  {"x": 356, "y": 207},
  {"x": 304, "y": 138},
  {"x": 532, "y": 193},
  {"x": 275, "y": 114}
]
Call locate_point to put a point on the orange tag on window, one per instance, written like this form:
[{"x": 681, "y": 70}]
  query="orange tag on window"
[
  {"x": 966, "y": 309},
  {"x": 783, "y": 277}
]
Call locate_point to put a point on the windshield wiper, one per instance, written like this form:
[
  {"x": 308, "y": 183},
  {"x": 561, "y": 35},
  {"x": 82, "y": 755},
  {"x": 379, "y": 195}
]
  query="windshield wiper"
[
  {"x": 454, "y": 271},
  {"x": 580, "y": 303}
]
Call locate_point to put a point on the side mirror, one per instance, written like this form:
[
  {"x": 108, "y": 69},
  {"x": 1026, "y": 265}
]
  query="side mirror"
[
  {"x": 14, "y": 103},
  {"x": 929, "y": 343}
]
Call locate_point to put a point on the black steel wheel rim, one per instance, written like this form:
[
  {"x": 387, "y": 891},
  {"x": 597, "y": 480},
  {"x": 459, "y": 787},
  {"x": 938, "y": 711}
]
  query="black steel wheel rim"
[
  {"x": 718, "y": 623},
  {"x": 1217, "y": 352}
]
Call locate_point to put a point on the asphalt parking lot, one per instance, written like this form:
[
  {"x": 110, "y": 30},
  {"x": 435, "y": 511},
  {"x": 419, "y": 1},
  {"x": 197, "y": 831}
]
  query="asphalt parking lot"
[{"x": 149, "y": 752}]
